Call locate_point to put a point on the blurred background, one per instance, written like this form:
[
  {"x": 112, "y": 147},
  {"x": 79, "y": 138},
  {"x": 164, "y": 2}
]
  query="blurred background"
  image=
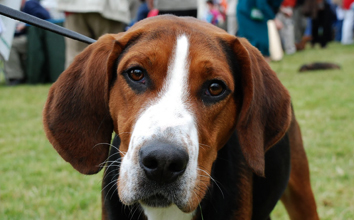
[{"x": 308, "y": 43}]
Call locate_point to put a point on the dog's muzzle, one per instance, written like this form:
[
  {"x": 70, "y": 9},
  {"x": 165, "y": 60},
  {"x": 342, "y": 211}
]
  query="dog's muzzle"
[{"x": 162, "y": 164}]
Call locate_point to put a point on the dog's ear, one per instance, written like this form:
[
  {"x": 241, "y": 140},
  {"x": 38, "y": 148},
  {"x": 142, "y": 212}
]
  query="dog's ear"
[
  {"x": 265, "y": 112},
  {"x": 76, "y": 116}
]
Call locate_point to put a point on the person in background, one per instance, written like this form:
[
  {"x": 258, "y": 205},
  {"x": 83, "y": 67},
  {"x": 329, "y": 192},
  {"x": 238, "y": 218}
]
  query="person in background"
[
  {"x": 348, "y": 21},
  {"x": 252, "y": 17},
  {"x": 15, "y": 67},
  {"x": 52, "y": 7},
  {"x": 339, "y": 21},
  {"x": 287, "y": 35},
  {"x": 300, "y": 24},
  {"x": 213, "y": 15},
  {"x": 92, "y": 18},
  {"x": 321, "y": 26},
  {"x": 141, "y": 13},
  {"x": 176, "y": 7},
  {"x": 232, "y": 25}
]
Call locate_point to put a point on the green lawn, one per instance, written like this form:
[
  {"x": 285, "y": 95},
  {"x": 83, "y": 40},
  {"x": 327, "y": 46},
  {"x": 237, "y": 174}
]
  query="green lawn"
[
  {"x": 324, "y": 105},
  {"x": 35, "y": 183}
]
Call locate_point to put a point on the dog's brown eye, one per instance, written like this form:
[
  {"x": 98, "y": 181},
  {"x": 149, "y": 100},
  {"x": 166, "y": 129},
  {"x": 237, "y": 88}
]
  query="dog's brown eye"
[
  {"x": 137, "y": 78},
  {"x": 136, "y": 74},
  {"x": 215, "y": 89}
]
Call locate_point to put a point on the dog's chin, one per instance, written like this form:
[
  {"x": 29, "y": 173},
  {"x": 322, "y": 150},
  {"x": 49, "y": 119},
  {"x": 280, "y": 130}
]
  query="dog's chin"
[
  {"x": 156, "y": 201},
  {"x": 160, "y": 201}
]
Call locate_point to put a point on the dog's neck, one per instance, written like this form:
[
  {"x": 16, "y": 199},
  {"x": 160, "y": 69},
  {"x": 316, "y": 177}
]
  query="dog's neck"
[{"x": 172, "y": 213}]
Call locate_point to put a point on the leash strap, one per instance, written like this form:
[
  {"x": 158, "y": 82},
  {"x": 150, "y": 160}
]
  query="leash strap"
[{"x": 29, "y": 19}]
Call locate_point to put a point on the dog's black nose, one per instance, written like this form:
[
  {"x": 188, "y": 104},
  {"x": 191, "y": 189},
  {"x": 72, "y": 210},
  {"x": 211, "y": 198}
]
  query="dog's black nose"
[{"x": 163, "y": 163}]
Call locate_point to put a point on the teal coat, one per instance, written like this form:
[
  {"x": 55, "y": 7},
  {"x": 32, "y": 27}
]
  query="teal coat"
[{"x": 255, "y": 30}]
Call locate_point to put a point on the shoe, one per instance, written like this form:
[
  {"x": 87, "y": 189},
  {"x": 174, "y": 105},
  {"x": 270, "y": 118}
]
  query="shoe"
[{"x": 302, "y": 44}]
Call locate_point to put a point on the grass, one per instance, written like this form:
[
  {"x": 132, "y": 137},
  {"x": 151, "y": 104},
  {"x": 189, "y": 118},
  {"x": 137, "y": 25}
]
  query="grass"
[
  {"x": 35, "y": 183},
  {"x": 324, "y": 105}
]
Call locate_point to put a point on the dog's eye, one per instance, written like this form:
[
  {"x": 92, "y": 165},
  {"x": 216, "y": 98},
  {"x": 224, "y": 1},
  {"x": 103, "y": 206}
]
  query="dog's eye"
[
  {"x": 216, "y": 88},
  {"x": 214, "y": 91},
  {"x": 137, "y": 78},
  {"x": 136, "y": 74}
]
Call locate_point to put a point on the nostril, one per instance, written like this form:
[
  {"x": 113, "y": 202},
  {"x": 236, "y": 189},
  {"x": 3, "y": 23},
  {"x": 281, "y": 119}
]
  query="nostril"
[
  {"x": 150, "y": 162},
  {"x": 177, "y": 166}
]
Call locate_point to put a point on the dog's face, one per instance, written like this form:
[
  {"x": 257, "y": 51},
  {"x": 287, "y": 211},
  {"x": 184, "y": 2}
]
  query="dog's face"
[
  {"x": 174, "y": 109},
  {"x": 174, "y": 90}
]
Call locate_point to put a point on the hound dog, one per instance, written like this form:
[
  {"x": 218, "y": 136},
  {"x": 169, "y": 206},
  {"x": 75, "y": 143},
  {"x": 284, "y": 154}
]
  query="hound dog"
[{"x": 205, "y": 129}]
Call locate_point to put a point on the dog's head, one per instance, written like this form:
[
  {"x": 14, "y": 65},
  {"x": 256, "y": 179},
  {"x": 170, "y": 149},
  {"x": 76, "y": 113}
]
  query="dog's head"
[{"x": 174, "y": 90}]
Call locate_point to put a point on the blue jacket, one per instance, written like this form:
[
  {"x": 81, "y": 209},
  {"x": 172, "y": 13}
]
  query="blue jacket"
[{"x": 33, "y": 7}]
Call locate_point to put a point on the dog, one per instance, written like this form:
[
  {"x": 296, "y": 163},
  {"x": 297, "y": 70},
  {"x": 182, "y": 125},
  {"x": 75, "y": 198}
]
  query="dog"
[
  {"x": 319, "y": 66},
  {"x": 204, "y": 128}
]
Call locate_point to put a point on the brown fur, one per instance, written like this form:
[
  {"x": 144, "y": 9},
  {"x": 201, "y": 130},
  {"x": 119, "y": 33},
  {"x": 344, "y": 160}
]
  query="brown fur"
[
  {"x": 298, "y": 197},
  {"x": 84, "y": 107}
]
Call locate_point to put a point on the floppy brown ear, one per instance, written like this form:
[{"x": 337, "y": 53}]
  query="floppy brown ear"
[
  {"x": 76, "y": 116},
  {"x": 265, "y": 113}
]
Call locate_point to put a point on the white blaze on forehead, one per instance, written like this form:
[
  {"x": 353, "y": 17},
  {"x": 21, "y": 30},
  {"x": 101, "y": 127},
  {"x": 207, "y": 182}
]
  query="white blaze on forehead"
[
  {"x": 169, "y": 110},
  {"x": 178, "y": 72}
]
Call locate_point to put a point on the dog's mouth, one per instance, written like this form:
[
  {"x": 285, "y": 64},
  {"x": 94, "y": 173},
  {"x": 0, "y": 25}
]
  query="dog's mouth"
[{"x": 156, "y": 200}]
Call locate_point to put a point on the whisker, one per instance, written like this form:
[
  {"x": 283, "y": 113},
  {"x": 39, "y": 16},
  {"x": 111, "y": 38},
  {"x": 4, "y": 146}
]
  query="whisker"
[
  {"x": 141, "y": 212},
  {"x": 113, "y": 165},
  {"x": 132, "y": 215},
  {"x": 196, "y": 196},
  {"x": 204, "y": 182},
  {"x": 116, "y": 163},
  {"x": 107, "y": 186},
  {"x": 111, "y": 145},
  {"x": 213, "y": 181},
  {"x": 105, "y": 175},
  {"x": 130, "y": 208},
  {"x": 103, "y": 164},
  {"x": 205, "y": 145},
  {"x": 111, "y": 161},
  {"x": 114, "y": 191},
  {"x": 113, "y": 155},
  {"x": 113, "y": 182}
]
